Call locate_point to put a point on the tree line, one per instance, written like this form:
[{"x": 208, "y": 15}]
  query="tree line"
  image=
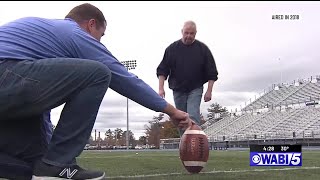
[{"x": 157, "y": 128}]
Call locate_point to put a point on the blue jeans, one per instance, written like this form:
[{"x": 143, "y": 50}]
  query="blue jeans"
[
  {"x": 29, "y": 88},
  {"x": 25, "y": 151},
  {"x": 189, "y": 102},
  {"x": 13, "y": 168},
  {"x": 22, "y": 143}
]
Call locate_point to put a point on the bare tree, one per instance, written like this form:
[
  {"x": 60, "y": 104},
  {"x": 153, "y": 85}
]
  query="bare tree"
[
  {"x": 216, "y": 112},
  {"x": 153, "y": 130}
]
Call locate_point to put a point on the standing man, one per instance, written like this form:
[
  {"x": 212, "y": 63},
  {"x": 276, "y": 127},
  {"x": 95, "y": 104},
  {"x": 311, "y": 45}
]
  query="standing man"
[
  {"x": 189, "y": 65},
  {"x": 48, "y": 62}
]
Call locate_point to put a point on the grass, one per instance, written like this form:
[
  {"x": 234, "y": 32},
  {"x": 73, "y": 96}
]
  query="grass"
[{"x": 221, "y": 165}]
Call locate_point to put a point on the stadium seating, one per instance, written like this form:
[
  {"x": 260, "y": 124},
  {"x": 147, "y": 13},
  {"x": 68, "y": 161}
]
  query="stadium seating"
[{"x": 286, "y": 110}]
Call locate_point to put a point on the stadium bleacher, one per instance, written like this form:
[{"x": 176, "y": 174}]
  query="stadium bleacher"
[{"x": 286, "y": 110}]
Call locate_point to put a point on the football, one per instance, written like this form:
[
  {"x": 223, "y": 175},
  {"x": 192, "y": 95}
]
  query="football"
[{"x": 194, "y": 149}]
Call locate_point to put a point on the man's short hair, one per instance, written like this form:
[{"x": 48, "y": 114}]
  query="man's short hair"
[{"x": 85, "y": 12}]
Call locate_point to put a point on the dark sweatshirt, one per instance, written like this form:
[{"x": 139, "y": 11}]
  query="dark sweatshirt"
[{"x": 188, "y": 66}]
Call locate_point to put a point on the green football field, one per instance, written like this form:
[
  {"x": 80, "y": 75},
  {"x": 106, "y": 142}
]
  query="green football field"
[{"x": 221, "y": 165}]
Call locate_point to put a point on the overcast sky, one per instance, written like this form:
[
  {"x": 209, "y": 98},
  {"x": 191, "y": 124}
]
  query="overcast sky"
[{"x": 252, "y": 51}]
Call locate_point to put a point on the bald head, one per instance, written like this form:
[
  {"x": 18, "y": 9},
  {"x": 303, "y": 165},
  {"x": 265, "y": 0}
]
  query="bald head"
[
  {"x": 189, "y": 32},
  {"x": 190, "y": 24}
]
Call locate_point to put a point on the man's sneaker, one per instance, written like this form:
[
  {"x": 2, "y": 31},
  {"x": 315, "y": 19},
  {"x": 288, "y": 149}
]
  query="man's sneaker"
[{"x": 43, "y": 171}]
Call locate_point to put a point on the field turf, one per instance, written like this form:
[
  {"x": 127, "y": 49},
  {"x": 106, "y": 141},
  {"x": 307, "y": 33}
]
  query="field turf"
[{"x": 160, "y": 164}]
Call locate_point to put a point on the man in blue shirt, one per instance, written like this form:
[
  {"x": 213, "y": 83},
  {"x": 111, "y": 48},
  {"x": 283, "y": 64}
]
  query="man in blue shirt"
[{"x": 45, "y": 63}]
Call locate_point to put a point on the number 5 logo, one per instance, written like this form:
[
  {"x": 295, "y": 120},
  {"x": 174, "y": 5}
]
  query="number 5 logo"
[{"x": 296, "y": 158}]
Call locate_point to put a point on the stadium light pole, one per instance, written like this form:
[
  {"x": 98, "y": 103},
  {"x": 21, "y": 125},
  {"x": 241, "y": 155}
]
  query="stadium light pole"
[
  {"x": 131, "y": 64},
  {"x": 280, "y": 70}
]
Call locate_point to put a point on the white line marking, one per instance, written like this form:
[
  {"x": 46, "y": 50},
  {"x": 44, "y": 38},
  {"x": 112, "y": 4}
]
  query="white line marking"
[
  {"x": 194, "y": 163},
  {"x": 194, "y": 132},
  {"x": 212, "y": 172}
]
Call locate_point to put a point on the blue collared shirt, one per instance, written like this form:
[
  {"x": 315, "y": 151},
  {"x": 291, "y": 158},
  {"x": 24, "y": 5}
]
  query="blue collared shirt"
[{"x": 34, "y": 38}]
